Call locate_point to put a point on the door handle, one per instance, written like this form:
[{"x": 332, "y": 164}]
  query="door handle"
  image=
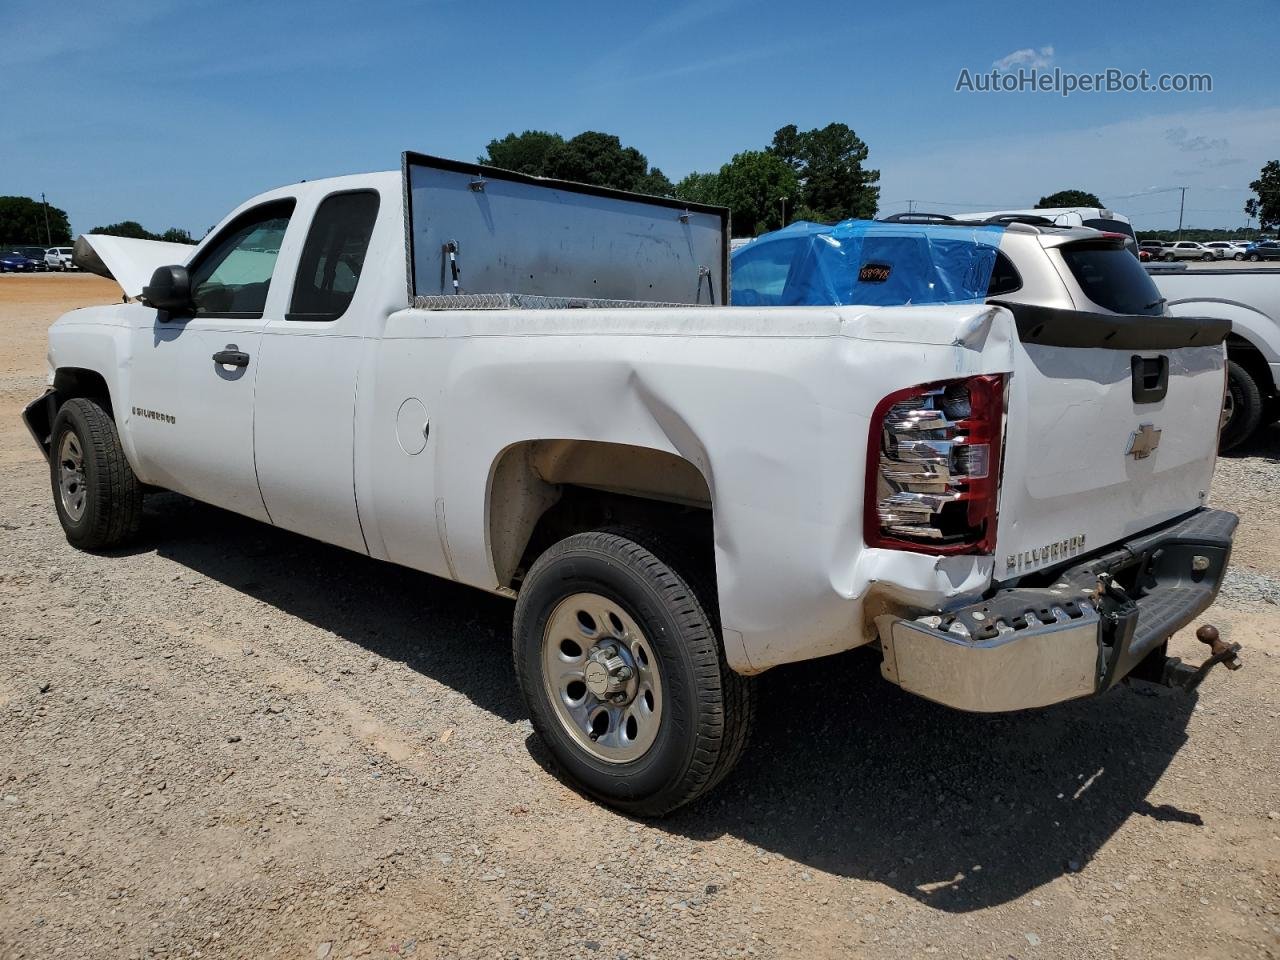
[{"x": 231, "y": 357}]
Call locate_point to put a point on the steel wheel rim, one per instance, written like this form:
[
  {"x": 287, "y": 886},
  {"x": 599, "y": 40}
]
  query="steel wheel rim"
[
  {"x": 614, "y": 718},
  {"x": 71, "y": 486},
  {"x": 1228, "y": 408}
]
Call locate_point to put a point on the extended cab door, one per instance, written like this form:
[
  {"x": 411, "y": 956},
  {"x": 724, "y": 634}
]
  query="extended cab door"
[
  {"x": 191, "y": 418},
  {"x": 304, "y": 419}
]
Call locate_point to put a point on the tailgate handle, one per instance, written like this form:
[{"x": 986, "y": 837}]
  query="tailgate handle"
[{"x": 1150, "y": 378}]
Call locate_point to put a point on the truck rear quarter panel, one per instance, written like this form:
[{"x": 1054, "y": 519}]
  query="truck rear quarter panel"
[{"x": 770, "y": 406}]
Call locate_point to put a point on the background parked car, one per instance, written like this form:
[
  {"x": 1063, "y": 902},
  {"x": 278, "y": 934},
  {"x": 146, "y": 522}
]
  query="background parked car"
[
  {"x": 11, "y": 261},
  {"x": 35, "y": 254},
  {"x": 58, "y": 258},
  {"x": 1265, "y": 250},
  {"x": 1222, "y": 249},
  {"x": 1187, "y": 250}
]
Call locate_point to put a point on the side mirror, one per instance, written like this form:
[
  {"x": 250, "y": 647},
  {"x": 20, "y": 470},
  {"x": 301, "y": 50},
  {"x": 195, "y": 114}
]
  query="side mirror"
[{"x": 169, "y": 290}]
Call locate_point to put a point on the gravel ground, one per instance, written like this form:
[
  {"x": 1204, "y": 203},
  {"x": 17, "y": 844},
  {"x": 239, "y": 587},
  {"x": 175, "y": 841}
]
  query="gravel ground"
[{"x": 229, "y": 741}]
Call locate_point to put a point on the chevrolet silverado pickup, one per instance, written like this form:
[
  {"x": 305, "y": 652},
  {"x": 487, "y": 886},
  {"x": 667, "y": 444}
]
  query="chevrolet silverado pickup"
[{"x": 540, "y": 389}]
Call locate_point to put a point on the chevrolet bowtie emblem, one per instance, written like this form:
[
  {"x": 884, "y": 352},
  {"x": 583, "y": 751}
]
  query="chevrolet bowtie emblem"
[{"x": 1144, "y": 441}]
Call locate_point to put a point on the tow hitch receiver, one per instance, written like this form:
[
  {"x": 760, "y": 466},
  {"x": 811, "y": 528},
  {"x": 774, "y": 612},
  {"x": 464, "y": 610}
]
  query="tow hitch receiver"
[{"x": 1178, "y": 674}]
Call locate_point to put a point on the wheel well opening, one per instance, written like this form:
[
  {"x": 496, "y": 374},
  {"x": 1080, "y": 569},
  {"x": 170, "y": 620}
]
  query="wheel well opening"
[
  {"x": 545, "y": 490},
  {"x": 72, "y": 382},
  {"x": 1243, "y": 352}
]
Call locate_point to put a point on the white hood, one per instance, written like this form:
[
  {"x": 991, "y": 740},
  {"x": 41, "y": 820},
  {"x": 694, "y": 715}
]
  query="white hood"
[{"x": 128, "y": 261}]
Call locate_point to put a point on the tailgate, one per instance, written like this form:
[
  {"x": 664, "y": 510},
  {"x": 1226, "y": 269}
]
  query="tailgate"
[{"x": 1112, "y": 428}]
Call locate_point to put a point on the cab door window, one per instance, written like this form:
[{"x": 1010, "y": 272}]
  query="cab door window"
[
  {"x": 234, "y": 275},
  {"x": 333, "y": 256}
]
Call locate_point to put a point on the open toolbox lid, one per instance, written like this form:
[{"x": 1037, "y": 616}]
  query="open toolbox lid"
[{"x": 473, "y": 229}]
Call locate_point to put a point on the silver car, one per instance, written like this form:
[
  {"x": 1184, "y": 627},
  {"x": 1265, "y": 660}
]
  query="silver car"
[{"x": 1189, "y": 250}]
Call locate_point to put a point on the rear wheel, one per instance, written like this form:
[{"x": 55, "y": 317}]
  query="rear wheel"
[
  {"x": 1254, "y": 258},
  {"x": 97, "y": 496},
  {"x": 1207, "y": 256},
  {"x": 1238, "y": 256},
  {"x": 1169, "y": 258},
  {"x": 618, "y": 659},
  {"x": 1241, "y": 407}
]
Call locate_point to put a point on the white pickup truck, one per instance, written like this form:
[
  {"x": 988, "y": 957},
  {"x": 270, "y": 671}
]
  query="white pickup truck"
[
  {"x": 1250, "y": 299},
  {"x": 536, "y": 388}
]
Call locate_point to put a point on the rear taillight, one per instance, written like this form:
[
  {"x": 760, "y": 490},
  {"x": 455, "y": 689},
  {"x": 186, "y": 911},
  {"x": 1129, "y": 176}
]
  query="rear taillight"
[{"x": 933, "y": 467}]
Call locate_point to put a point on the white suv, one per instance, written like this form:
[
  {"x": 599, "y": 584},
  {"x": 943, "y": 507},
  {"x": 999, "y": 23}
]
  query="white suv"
[
  {"x": 1189, "y": 250},
  {"x": 58, "y": 258}
]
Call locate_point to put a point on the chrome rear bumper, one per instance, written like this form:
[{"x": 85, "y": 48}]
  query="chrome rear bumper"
[{"x": 1101, "y": 620}]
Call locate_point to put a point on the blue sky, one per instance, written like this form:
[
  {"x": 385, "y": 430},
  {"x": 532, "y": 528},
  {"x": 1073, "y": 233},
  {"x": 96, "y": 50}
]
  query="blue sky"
[{"x": 172, "y": 112}]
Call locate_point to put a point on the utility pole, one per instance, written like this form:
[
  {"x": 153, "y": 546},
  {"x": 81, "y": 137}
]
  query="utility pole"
[
  {"x": 784, "y": 210},
  {"x": 911, "y": 206},
  {"x": 1181, "y": 204},
  {"x": 48, "y": 237}
]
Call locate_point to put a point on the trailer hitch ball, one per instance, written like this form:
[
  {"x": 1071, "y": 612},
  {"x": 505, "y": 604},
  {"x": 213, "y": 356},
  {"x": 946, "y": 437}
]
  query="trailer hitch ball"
[
  {"x": 1187, "y": 678},
  {"x": 1218, "y": 648}
]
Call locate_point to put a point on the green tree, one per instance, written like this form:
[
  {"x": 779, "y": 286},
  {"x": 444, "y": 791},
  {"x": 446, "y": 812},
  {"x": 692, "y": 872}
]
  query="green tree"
[
  {"x": 126, "y": 228},
  {"x": 522, "y": 152},
  {"x": 599, "y": 159},
  {"x": 700, "y": 188},
  {"x": 752, "y": 185},
  {"x": 22, "y": 221},
  {"x": 655, "y": 183},
  {"x": 1069, "y": 198},
  {"x": 177, "y": 235},
  {"x": 1266, "y": 204},
  {"x": 591, "y": 157},
  {"x": 828, "y": 162}
]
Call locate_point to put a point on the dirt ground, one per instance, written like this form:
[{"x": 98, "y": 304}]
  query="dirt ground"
[{"x": 229, "y": 741}]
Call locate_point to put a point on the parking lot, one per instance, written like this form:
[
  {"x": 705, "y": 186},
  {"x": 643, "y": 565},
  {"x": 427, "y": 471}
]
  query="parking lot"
[{"x": 231, "y": 740}]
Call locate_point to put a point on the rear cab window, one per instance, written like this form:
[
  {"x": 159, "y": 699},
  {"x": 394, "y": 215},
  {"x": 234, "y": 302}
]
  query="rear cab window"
[
  {"x": 1112, "y": 278},
  {"x": 333, "y": 256}
]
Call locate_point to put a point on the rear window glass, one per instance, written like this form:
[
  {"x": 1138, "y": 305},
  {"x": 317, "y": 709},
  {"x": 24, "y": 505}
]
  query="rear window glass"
[
  {"x": 333, "y": 256},
  {"x": 1113, "y": 279}
]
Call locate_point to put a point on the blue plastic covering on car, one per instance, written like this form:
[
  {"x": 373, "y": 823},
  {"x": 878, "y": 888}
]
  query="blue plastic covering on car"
[{"x": 866, "y": 262}]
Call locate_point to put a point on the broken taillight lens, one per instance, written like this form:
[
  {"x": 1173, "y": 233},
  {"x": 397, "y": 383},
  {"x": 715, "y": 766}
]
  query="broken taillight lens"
[{"x": 933, "y": 467}]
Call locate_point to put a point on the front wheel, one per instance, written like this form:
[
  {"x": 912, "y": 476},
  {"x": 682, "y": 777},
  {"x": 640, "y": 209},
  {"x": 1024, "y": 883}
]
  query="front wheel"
[
  {"x": 618, "y": 659},
  {"x": 95, "y": 491},
  {"x": 1207, "y": 256}
]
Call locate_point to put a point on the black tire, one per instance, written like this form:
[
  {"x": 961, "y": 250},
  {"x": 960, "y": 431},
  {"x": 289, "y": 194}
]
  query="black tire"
[
  {"x": 1254, "y": 258},
  {"x": 1169, "y": 258},
  {"x": 707, "y": 709},
  {"x": 112, "y": 502},
  {"x": 1238, "y": 256},
  {"x": 1246, "y": 407},
  {"x": 1207, "y": 256}
]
